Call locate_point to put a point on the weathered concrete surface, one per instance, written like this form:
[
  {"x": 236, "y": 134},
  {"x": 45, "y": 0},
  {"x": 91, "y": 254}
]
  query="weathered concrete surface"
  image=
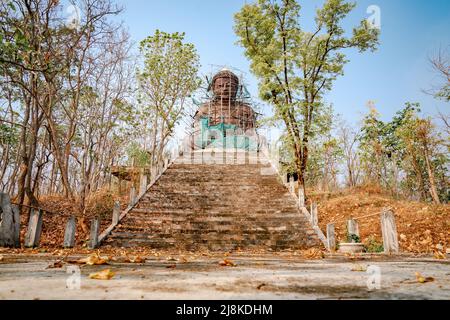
[{"x": 254, "y": 277}]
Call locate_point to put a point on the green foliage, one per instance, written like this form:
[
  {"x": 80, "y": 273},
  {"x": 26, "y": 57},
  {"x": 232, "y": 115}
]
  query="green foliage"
[
  {"x": 402, "y": 147},
  {"x": 325, "y": 152},
  {"x": 373, "y": 246},
  {"x": 169, "y": 75},
  {"x": 353, "y": 238},
  {"x": 8, "y": 135},
  {"x": 138, "y": 156},
  {"x": 444, "y": 93},
  {"x": 170, "y": 68},
  {"x": 295, "y": 67},
  {"x": 14, "y": 44}
]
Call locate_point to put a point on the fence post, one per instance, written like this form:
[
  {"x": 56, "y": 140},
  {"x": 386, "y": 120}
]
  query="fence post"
[
  {"x": 353, "y": 227},
  {"x": 34, "y": 231},
  {"x": 95, "y": 229},
  {"x": 7, "y": 225},
  {"x": 292, "y": 185},
  {"x": 143, "y": 184},
  {"x": 301, "y": 197},
  {"x": 285, "y": 179},
  {"x": 16, "y": 215},
  {"x": 314, "y": 215},
  {"x": 132, "y": 196},
  {"x": 389, "y": 231},
  {"x": 69, "y": 235},
  {"x": 116, "y": 213},
  {"x": 331, "y": 236}
]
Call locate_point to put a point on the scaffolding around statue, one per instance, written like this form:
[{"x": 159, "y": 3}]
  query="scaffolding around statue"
[{"x": 225, "y": 118}]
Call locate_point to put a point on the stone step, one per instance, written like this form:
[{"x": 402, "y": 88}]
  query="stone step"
[
  {"x": 214, "y": 245},
  {"x": 180, "y": 216},
  {"x": 198, "y": 213},
  {"x": 215, "y": 235},
  {"x": 216, "y": 207},
  {"x": 212, "y": 228}
]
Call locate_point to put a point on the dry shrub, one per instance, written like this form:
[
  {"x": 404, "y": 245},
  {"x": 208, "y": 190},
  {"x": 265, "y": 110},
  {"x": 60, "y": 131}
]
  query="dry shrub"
[
  {"x": 422, "y": 228},
  {"x": 59, "y": 209}
]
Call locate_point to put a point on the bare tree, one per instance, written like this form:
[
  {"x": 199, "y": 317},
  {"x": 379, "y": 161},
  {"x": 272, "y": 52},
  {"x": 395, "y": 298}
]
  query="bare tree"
[
  {"x": 349, "y": 141},
  {"x": 440, "y": 63}
]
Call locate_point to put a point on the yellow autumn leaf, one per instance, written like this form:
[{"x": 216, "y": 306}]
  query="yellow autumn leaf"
[
  {"x": 313, "y": 254},
  {"x": 136, "y": 259},
  {"x": 227, "y": 263},
  {"x": 439, "y": 255},
  {"x": 359, "y": 268},
  {"x": 422, "y": 279},
  {"x": 93, "y": 260},
  {"x": 102, "y": 275}
]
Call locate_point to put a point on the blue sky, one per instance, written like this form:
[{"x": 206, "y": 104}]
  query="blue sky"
[{"x": 411, "y": 31}]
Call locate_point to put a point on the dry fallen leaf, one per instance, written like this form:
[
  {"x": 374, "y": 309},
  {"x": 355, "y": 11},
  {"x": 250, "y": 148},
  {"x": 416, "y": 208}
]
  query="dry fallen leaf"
[
  {"x": 313, "y": 254},
  {"x": 1, "y": 258},
  {"x": 359, "y": 268},
  {"x": 56, "y": 265},
  {"x": 83, "y": 225},
  {"x": 261, "y": 286},
  {"x": 102, "y": 275},
  {"x": 439, "y": 255},
  {"x": 422, "y": 279},
  {"x": 136, "y": 259},
  {"x": 227, "y": 263},
  {"x": 93, "y": 260}
]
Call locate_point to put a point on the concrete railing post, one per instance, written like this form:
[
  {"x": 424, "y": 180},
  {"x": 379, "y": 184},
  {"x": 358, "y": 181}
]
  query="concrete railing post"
[
  {"x": 132, "y": 196},
  {"x": 314, "y": 215},
  {"x": 16, "y": 212},
  {"x": 95, "y": 229},
  {"x": 331, "y": 237},
  {"x": 7, "y": 223},
  {"x": 353, "y": 227},
  {"x": 301, "y": 197},
  {"x": 292, "y": 185},
  {"x": 69, "y": 235},
  {"x": 143, "y": 183},
  {"x": 116, "y": 213},
  {"x": 33, "y": 237},
  {"x": 389, "y": 231}
]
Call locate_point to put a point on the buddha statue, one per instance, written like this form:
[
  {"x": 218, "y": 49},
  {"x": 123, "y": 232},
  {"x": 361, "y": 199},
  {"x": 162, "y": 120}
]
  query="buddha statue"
[
  {"x": 224, "y": 108},
  {"x": 226, "y": 120}
]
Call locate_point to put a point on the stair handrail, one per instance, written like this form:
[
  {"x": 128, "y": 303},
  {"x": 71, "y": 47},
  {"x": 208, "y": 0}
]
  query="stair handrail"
[
  {"x": 275, "y": 163},
  {"x": 175, "y": 153}
]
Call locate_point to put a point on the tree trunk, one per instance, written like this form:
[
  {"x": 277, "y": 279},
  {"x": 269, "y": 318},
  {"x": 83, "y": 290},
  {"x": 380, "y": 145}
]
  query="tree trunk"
[{"x": 433, "y": 188}]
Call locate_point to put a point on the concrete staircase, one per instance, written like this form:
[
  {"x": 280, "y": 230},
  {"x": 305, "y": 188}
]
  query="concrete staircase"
[{"x": 219, "y": 205}]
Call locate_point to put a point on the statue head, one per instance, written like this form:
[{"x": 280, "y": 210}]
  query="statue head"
[{"x": 225, "y": 85}]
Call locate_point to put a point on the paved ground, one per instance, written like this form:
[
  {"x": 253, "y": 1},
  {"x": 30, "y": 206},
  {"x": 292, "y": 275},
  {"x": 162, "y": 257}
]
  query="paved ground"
[{"x": 254, "y": 277}]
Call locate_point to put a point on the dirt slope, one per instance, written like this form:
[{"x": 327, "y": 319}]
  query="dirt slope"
[{"x": 423, "y": 228}]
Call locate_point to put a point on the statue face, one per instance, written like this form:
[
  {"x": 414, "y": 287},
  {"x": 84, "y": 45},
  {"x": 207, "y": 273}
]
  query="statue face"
[{"x": 224, "y": 87}]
